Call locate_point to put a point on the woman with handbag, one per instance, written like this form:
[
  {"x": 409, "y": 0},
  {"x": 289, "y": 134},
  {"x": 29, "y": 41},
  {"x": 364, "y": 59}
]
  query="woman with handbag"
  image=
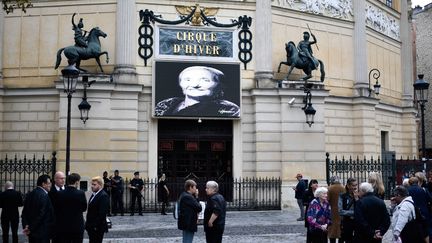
[
  {"x": 307, "y": 199},
  {"x": 319, "y": 216}
]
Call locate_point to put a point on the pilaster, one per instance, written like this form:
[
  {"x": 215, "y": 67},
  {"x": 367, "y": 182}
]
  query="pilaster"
[
  {"x": 263, "y": 45},
  {"x": 126, "y": 15},
  {"x": 1, "y": 46},
  {"x": 406, "y": 56},
  {"x": 360, "y": 49}
]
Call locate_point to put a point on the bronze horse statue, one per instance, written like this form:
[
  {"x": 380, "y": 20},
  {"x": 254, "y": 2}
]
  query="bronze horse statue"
[
  {"x": 75, "y": 54},
  {"x": 294, "y": 60}
]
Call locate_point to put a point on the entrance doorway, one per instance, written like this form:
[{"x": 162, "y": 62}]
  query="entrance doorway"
[{"x": 188, "y": 149}]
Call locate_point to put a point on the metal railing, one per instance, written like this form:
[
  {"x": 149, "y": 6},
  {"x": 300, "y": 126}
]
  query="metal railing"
[
  {"x": 360, "y": 169},
  {"x": 240, "y": 194},
  {"x": 23, "y": 172}
]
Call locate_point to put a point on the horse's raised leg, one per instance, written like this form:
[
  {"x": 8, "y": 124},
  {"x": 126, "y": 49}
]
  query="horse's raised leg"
[
  {"x": 98, "y": 62},
  {"x": 107, "y": 57},
  {"x": 280, "y": 64},
  {"x": 289, "y": 72}
]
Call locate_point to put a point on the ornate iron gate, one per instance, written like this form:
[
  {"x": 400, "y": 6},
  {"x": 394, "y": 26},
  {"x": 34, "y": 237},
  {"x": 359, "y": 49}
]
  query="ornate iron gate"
[
  {"x": 360, "y": 169},
  {"x": 24, "y": 172}
]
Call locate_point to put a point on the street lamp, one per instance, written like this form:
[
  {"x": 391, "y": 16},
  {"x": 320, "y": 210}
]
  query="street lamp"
[
  {"x": 70, "y": 78},
  {"x": 376, "y": 74},
  {"x": 308, "y": 108},
  {"x": 84, "y": 106},
  {"x": 421, "y": 94}
]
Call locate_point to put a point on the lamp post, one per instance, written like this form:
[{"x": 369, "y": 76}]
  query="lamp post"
[
  {"x": 421, "y": 94},
  {"x": 70, "y": 78},
  {"x": 376, "y": 74}
]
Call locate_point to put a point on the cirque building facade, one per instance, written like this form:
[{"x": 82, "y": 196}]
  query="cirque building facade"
[{"x": 261, "y": 129}]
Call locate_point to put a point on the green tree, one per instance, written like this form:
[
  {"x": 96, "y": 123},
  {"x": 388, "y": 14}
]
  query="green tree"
[{"x": 10, "y": 5}]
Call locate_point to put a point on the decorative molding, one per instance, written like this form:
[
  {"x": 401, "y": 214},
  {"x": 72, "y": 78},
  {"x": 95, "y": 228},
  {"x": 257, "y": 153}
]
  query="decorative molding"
[
  {"x": 382, "y": 21},
  {"x": 341, "y": 9}
]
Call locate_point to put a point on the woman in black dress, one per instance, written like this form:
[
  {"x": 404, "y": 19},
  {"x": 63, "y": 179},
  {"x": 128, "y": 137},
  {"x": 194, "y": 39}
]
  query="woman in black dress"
[{"x": 163, "y": 193}]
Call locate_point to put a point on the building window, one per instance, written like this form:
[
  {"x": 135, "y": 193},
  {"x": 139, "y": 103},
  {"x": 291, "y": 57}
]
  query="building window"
[{"x": 389, "y": 3}]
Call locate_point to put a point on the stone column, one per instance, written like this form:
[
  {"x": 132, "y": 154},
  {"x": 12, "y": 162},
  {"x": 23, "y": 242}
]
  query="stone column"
[
  {"x": 263, "y": 45},
  {"x": 126, "y": 42},
  {"x": 406, "y": 56},
  {"x": 360, "y": 49}
]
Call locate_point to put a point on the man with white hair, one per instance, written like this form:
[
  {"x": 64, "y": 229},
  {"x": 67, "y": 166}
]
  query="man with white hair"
[
  {"x": 214, "y": 213},
  {"x": 57, "y": 186},
  {"x": 10, "y": 200},
  {"x": 371, "y": 217}
]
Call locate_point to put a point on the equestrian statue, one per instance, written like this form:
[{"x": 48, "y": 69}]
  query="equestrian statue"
[
  {"x": 85, "y": 47},
  {"x": 301, "y": 57}
]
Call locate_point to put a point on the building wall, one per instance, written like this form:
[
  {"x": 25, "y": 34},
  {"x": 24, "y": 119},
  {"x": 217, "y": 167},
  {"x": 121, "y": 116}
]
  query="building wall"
[
  {"x": 270, "y": 140},
  {"x": 421, "y": 22}
]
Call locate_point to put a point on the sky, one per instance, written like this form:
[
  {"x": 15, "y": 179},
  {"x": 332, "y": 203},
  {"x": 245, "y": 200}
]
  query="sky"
[{"x": 420, "y": 2}]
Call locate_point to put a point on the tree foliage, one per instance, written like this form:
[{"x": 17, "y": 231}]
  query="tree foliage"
[{"x": 10, "y": 5}]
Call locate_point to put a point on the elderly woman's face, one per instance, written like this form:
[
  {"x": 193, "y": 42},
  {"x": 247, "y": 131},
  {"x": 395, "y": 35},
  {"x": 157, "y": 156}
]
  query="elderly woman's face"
[
  {"x": 323, "y": 196},
  {"x": 197, "y": 83}
]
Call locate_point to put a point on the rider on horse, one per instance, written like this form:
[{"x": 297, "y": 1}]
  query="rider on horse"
[
  {"x": 80, "y": 39},
  {"x": 305, "y": 49}
]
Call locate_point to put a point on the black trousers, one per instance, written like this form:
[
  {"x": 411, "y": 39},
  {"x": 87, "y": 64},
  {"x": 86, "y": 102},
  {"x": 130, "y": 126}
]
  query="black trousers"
[
  {"x": 318, "y": 236},
  {"x": 13, "y": 224},
  {"x": 347, "y": 234},
  {"x": 70, "y": 238},
  {"x": 136, "y": 197},
  {"x": 214, "y": 234},
  {"x": 33, "y": 240},
  {"x": 95, "y": 236},
  {"x": 117, "y": 202}
]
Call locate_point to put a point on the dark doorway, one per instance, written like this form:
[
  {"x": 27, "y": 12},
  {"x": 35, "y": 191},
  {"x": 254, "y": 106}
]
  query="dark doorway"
[{"x": 188, "y": 149}]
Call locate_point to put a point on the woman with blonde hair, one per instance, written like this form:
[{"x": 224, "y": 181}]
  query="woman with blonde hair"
[{"x": 375, "y": 179}]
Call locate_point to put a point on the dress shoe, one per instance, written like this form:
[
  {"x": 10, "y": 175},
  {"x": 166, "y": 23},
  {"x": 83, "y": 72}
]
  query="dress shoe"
[{"x": 300, "y": 219}]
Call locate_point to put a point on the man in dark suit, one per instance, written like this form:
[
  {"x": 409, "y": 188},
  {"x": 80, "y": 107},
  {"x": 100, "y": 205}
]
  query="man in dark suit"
[
  {"x": 10, "y": 200},
  {"x": 98, "y": 207},
  {"x": 38, "y": 214},
  {"x": 59, "y": 185},
  {"x": 370, "y": 216},
  {"x": 71, "y": 203}
]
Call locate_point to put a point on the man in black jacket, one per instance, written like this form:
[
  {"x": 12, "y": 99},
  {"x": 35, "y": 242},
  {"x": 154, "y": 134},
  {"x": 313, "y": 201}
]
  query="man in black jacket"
[
  {"x": 214, "y": 214},
  {"x": 370, "y": 216},
  {"x": 38, "y": 214},
  {"x": 57, "y": 186},
  {"x": 10, "y": 200},
  {"x": 98, "y": 207},
  {"x": 189, "y": 207},
  {"x": 71, "y": 203}
]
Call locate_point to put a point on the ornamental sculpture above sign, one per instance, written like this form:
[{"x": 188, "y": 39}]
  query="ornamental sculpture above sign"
[{"x": 196, "y": 41}]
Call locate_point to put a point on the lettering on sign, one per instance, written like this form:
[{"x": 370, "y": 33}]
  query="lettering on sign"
[{"x": 179, "y": 42}]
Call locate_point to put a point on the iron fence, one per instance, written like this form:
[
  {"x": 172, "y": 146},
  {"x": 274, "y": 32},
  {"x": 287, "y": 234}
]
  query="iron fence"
[
  {"x": 24, "y": 172},
  {"x": 360, "y": 169},
  {"x": 240, "y": 194}
]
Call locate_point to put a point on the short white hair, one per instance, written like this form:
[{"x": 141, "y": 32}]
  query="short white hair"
[
  {"x": 319, "y": 191},
  {"x": 366, "y": 187},
  {"x": 405, "y": 182},
  {"x": 213, "y": 184}
]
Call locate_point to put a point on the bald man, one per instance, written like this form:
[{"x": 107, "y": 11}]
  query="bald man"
[
  {"x": 10, "y": 200},
  {"x": 58, "y": 185}
]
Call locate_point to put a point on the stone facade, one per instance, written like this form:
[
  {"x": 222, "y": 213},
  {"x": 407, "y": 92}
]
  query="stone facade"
[
  {"x": 270, "y": 139},
  {"x": 423, "y": 41}
]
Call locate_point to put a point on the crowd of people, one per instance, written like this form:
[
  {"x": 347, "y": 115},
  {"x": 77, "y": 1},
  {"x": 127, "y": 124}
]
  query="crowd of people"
[
  {"x": 358, "y": 213},
  {"x": 53, "y": 211}
]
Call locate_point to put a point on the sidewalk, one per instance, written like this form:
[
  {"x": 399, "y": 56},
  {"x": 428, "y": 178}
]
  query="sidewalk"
[{"x": 251, "y": 226}]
